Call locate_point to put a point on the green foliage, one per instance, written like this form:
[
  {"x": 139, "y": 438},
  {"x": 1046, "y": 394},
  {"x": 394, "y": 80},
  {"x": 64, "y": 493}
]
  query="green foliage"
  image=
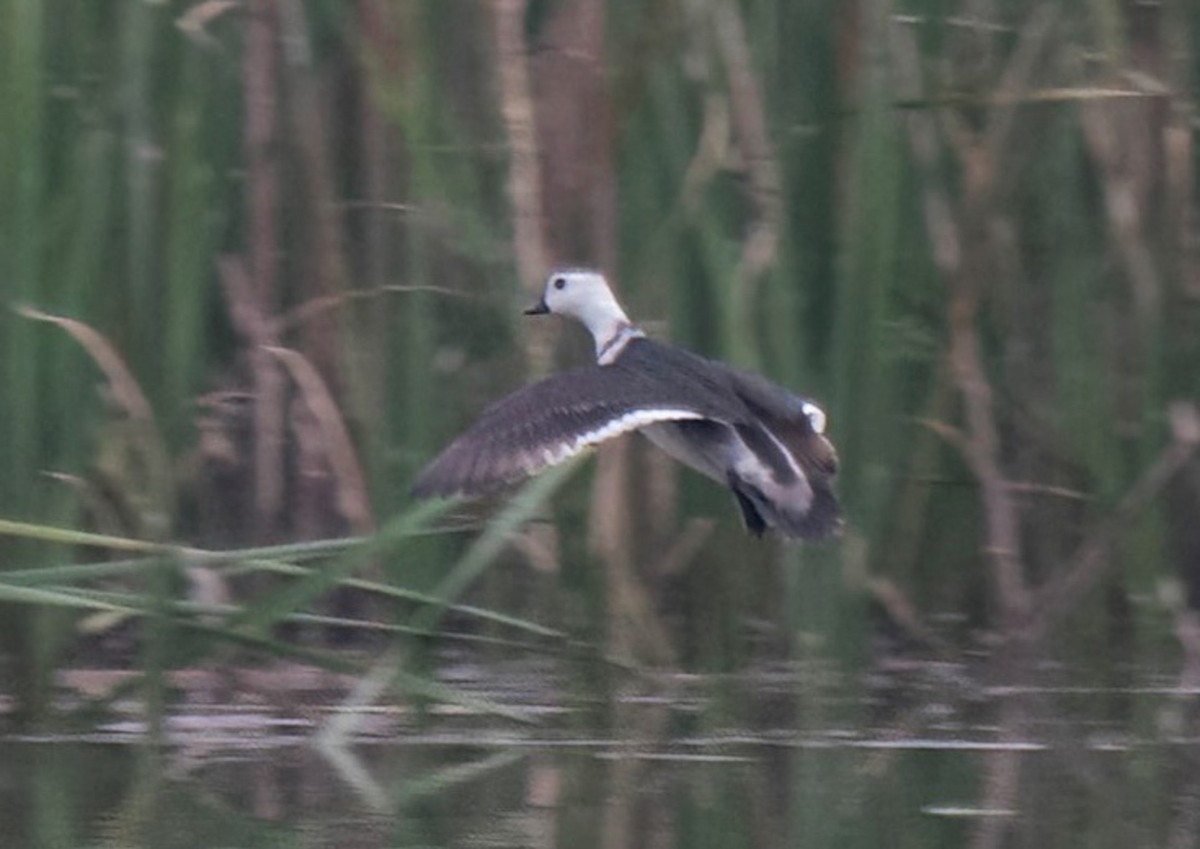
[{"x": 128, "y": 188}]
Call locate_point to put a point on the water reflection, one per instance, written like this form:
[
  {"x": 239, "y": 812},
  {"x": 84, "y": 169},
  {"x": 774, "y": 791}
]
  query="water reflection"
[{"x": 684, "y": 762}]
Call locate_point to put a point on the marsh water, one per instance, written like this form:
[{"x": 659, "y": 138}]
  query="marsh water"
[{"x": 792, "y": 755}]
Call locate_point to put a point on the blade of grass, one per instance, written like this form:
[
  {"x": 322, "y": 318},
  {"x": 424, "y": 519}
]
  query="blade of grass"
[
  {"x": 415, "y": 790},
  {"x": 485, "y": 550},
  {"x": 389, "y": 669},
  {"x": 318, "y": 581},
  {"x": 66, "y": 536},
  {"x": 54, "y": 577}
]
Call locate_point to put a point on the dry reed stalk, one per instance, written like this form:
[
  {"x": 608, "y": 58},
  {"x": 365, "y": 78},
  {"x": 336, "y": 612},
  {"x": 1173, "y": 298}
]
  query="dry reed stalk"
[
  {"x": 257, "y": 280},
  {"x": 980, "y": 441},
  {"x": 1179, "y": 142},
  {"x": 959, "y": 232},
  {"x": 325, "y": 264},
  {"x": 336, "y": 445},
  {"x": 516, "y": 108},
  {"x": 1091, "y": 557},
  {"x": 376, "y": 187},
  {"x": 524, "y": 170},
  {"x": 1123, "y": 139},
  {"x": 752, "y": 135},
  {"x": 154, "y": 496}
]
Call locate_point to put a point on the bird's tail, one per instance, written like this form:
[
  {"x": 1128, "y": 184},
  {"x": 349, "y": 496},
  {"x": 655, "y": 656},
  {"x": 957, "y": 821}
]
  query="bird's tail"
[{"x": 822, "y": 519}]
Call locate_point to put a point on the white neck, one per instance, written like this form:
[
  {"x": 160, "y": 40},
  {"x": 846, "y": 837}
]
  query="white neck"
[
  {"x": 610, "y": 346},
  {"x": 609, "y": 325}
]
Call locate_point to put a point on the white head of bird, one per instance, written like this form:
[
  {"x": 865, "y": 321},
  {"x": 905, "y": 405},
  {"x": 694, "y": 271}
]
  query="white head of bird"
[{"x": 584, "y": 294}]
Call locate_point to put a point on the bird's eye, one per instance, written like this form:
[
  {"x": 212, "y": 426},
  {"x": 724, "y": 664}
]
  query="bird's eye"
[{"x": 560, "y": 282}]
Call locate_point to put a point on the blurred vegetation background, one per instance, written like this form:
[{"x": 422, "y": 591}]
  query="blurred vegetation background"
[{"x": 261, "y": 259}]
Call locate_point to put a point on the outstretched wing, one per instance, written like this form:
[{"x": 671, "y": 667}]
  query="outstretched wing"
[
  {"x": 741, "y": 396},
  {"x": 546, "y": 423},
  {"x": 791, "y": 419}
]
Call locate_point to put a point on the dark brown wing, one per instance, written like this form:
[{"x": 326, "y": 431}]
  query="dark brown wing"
[
  {"x": 546, "y": 423},
  {"x": 785, "y": 415},
  {"x": 741, "y": 396}
]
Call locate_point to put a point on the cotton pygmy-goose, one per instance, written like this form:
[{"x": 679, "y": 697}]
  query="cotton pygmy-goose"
[{"x": 741, "y": 430}]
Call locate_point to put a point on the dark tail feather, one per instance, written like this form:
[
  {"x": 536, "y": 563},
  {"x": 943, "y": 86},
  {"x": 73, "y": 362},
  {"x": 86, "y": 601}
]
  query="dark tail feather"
[
  {"x": 822, "y": 519},
  {"x": 755, "y": 523}
]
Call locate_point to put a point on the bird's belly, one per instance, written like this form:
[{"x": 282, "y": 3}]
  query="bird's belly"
[
  {"x": 715, "y": 449},
  {"x": 706, "y": 446}
]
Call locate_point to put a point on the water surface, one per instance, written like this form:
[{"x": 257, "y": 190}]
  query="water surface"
[{"x": 788, "y": 756}]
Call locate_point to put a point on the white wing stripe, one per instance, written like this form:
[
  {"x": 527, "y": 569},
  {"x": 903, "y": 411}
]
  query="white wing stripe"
[{"x": 572, "y": 444}]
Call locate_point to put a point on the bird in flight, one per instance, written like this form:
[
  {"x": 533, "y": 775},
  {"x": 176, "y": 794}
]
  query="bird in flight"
[{"x": 766, "y": 444}]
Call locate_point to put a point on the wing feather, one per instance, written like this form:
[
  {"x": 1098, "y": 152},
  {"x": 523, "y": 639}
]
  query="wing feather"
[
  {"x": 544, "y": 424},
  {"x": 743, "y": 396},
  {"x": 786, "y": 415},
  {"x": 548, "y": 422}
]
